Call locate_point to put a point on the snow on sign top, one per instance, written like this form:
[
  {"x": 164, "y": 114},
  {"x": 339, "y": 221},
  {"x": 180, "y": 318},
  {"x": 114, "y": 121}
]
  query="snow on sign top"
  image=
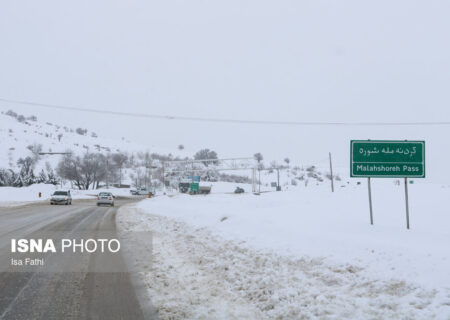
[{"x": 387, "y": 159}]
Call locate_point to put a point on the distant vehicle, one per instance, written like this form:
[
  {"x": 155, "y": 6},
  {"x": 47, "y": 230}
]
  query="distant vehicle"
[
  {"x": 204, "y": 189},
  {"x": 184, "y": 187},
  {"x": 133, "y": 192},
  {"x": 105, "y": 198},
  {"x": 143, "y": 191},
  {"x": 239, "y": 190},
  {"x": 61, "y": 197},
  {"x": 197, "y": 188},
  {"x": 194, "y": 187}
]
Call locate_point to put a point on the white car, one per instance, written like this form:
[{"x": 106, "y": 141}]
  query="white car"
[
  {"x": 143, "y": 191},
  {"x": 61, "y": 197},
  {"x": 105, "y": 198}
]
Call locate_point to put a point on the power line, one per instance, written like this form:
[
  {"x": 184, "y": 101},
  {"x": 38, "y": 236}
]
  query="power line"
[{"x": 224, "y": 120}]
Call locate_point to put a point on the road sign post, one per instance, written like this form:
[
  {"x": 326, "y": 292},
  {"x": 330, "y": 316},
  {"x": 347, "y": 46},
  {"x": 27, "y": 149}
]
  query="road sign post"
[
  {"x": 331, "y": 174},
  {"x": 407, "y": 203},
  {"x": 387, "y": 159},
  {"x": 370, "y": 200}
]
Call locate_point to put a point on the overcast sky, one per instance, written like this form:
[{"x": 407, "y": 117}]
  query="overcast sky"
[{"x": 269, "y": 60}]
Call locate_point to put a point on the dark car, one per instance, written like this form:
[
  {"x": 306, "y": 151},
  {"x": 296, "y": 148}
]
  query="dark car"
[
  {"x": 184, "y": 187},
  {"x": 239, "y": 190}
]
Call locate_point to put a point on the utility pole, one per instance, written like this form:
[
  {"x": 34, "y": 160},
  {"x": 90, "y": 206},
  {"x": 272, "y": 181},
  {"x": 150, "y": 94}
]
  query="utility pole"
[
  {"x": 278, "y": 177},
  {"x": 164, "y": 176},
  {"x": 254, "y": 180},
  {"x": 107, "y": 173},
  {"x": 120, "y": 176},
  {"x": 146, "y": 176},
  {"x": 331, "y": 173},
  {"x": 259, "y": 178}
]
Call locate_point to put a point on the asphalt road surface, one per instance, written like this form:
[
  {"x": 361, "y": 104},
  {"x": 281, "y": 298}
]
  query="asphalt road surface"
[{"x": 65, "y": 295}]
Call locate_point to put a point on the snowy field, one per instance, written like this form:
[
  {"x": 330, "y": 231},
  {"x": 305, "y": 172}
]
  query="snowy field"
[{"x": 304, "y": 253}]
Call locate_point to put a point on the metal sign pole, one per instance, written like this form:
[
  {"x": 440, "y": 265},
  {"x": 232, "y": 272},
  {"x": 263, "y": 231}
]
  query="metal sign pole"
[
  {"x": 164, "y": 177},
  {"x": 370, "y": 201},
  {"x": 259, "y": 178},
  {"x": 278, "y": 178},
  {"x": 331, "y": 174},
  {"x": 407, "y": 204}
]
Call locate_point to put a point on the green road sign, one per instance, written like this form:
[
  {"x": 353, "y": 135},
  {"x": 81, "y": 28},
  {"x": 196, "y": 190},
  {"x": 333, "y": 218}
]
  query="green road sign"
[
  {"x": 194, "y": 187},
  {"x": 387, "y": 159}
]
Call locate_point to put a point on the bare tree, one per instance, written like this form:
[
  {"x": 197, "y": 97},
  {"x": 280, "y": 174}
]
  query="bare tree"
[
  {"x": 81, "y": 131},
  {"x": 119, "y": 160},
  {"x": 132, "y": 160},
  {"x": 259, "y": 157},
  {"x": 85, "y": 172},
  {"x": 35, "y": 149},
  {"x": 137, "y": 178},
  {"x": 146, "y": 161},
  {"x": 206, "y": 154}
]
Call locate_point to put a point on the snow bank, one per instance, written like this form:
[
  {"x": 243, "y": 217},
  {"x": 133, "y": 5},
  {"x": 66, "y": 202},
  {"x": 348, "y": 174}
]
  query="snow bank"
[
  {"x": 16, "y": 196},
  {"x": 314, "y": 223}
]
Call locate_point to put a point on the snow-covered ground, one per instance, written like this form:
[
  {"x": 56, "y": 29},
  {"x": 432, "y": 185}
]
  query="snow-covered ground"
[
  {"x": 10, "y": 196},
  {"x": 303, "y": 253}
]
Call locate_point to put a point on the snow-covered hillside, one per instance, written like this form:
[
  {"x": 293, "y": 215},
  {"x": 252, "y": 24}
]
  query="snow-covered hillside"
[
  {"x": 38, "y": 145},
  {"x": 18, "y": 132}
]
